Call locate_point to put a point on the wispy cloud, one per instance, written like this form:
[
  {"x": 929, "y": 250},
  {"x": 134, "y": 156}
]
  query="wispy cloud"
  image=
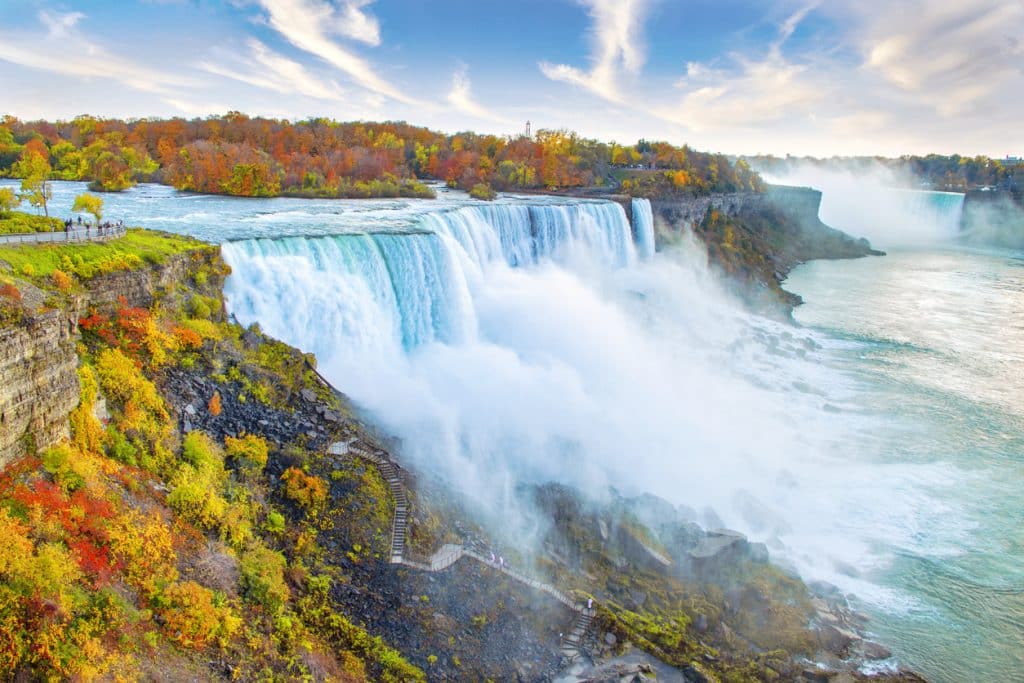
[
  {"x": 617, "y": 47},
  {"x": 272, "y": 71},
  {"x": 63, "y": 51},
  {"x": 748, "y": 91},
  {"x": 310, "y": 24},
  {"x": 954, "y": 57},
  {"x": 461, "y": 98}
]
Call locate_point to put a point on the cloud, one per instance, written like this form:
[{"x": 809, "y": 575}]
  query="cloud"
[
  {"x": 273, "y": 71},
  {"x": 71, "y": 53},
  {"x": 309, "y": 25},
  {"x": 618, "y": 46},
  {"x": 956, "y": 58},
  {"x": 461, "y": 98},
  {"x": 749, "y": 91},
  {"x": 58, "y": 24},
  {"x": 358, "y": 25}
]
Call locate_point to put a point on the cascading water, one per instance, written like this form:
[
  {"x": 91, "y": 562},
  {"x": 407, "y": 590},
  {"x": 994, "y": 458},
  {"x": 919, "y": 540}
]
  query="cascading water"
[
  {"x": 508, "y": 342},
  {"x": 870, "y": 205},
  {"x": 416, "y": 281},
  {"x": 643, "y": 224}
]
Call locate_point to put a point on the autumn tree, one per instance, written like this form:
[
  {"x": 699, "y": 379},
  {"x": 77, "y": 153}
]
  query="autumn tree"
[
  {"x": 8, "y": 200},
  {"x": 34, "y": 170},
  {"x": 89, "y": 203}
]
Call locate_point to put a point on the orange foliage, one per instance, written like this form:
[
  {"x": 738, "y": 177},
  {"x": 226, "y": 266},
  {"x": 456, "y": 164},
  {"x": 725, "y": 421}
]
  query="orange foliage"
[
  {"x": 61, "y": 280},
  {"x": 214, "y": 406},
  {"x": 9, "y": 291},
  {"x": 187, "y": 339},
  {"x": 307, "y": 490}
]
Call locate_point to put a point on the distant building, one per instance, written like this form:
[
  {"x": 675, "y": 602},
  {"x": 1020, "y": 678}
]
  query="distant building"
[{"x": 1013, "y": 161}]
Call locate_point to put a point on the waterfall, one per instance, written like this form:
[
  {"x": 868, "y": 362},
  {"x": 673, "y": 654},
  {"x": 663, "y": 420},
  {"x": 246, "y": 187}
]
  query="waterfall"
[
  {"x": 403, "y": 290},
  {"x": 643, "y": 223}
]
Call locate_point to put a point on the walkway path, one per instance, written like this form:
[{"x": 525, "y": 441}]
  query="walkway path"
[
  {"x": 75, "y": 235},
  {"x": 572, "y": 645}
]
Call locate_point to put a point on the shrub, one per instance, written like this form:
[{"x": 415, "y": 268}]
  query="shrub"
[
  {"x": 214, "y": 406},
  {"x": 483, "y": 191},
  {"x": 144, "y": 547},
  {"x": 187, "y": 338},
  {"x": 9, "y": 291},
  {"x": 307, "y": 490},
  {"x": 193, "y": 619},
  {"x": 262, "y": 577},
  {"x": 61, "y": 280},
  {"x": 249, "y": 450}
]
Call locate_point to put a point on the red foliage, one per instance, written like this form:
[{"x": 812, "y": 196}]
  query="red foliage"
[
  {"x": 82, "y": 516},
  {"x": 126, "y": 331},
  {"x": 10, "y": 291}
]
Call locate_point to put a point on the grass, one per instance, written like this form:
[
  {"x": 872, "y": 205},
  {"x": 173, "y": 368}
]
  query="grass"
[
  {"x": 147, "y": 246},
  {"x": 17, "y": 222}
]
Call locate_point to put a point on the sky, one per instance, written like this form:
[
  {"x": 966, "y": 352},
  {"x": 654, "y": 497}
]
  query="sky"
[{"x": 825, "y": 77}]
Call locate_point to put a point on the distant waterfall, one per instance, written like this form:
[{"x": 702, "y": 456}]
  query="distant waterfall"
[
  {"x": 407, "y": 289},
  {"x": 643, "y": 223},
  {"x": 890, "y": 217}
]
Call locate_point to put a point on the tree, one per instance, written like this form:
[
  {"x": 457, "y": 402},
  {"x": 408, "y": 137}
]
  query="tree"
[
  {"x": 89, "y": 203},
  {"x": 8, "y": 200},
  {"x": 34, "y": 170}
]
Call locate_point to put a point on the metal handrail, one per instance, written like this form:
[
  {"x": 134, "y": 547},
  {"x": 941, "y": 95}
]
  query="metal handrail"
[{"x": 73, "y": 235}]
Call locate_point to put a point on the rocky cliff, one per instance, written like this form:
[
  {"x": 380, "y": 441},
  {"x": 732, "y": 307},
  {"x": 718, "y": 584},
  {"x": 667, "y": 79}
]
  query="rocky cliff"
[
  {"x": 38, "y": 363},
  {"x": 757, "y": 238},
  {"x": 38, "y": 382}
]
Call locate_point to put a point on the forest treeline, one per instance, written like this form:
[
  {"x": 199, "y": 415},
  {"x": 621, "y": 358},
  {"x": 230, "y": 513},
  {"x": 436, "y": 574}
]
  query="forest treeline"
[
  {"x": 258, "y": 157},
  {"x": 953, "y": 173}
]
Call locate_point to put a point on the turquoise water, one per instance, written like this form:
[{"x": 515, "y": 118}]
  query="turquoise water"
[
  {"x": 880, "y": 448},
  {"x": 937, "y": 337}
]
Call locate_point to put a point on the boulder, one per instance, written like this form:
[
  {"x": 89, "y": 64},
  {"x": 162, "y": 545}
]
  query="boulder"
[{"x": 873, "y": 650}]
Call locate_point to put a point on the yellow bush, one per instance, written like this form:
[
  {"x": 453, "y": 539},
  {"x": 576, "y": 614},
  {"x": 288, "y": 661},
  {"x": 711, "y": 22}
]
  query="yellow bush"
[
  {"x": 193, "y": 619},
  {"x": 144, "y": 546},
  {"x": 250, "y": 450},
  {"x": 143, "y": 413},
  {"x": 15, "y": 550},
  {"x": 61, "y": 280},
  {"x": 86, "y": 430}
]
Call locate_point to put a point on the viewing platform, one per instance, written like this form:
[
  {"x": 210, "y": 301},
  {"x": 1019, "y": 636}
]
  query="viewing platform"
[{"x": 76, "y": 234}]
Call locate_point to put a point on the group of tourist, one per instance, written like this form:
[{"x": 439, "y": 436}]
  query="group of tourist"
[{"x": 101, "y": 228}]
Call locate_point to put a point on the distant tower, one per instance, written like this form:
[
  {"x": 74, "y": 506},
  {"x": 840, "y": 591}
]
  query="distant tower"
[{"x": 527, "y": 129}]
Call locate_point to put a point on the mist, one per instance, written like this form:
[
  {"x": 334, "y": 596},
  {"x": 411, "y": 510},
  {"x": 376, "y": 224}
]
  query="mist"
[
  {"x": 646, "y": 377},
  {"x": 886, "y": 207}
]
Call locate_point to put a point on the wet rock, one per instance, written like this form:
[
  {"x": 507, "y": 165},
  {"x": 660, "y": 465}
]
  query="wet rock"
[
  {"x": 873, "y": 650},
  {"x": 610, "y": 639},
  {"x": 837, "y": 639},
  {"x": 717, "y": 550},
  {"x": 308, "y": 395}
]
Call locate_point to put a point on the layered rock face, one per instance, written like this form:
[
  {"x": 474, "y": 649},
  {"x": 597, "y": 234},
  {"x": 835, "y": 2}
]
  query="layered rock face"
[
  {"x": 38, "y": 382},
  {"x": 38, "y": 364}
]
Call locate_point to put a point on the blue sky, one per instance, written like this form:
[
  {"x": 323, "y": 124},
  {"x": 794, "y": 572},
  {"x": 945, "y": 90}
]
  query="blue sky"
[{"x": 741, "y": 76}]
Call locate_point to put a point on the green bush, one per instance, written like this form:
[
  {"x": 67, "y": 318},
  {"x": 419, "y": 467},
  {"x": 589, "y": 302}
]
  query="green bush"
[
  {"x": 262, "y": 577},
  {"x": 483, "y": 191}
]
